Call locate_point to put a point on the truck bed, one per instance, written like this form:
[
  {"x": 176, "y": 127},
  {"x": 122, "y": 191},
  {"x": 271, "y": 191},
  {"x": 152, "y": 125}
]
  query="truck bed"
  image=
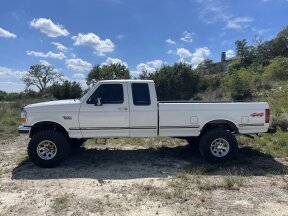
[{"x": 183, "y": 118}]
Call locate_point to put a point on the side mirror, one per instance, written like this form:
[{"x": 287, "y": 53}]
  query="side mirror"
[{"x": 99, "y": 102}]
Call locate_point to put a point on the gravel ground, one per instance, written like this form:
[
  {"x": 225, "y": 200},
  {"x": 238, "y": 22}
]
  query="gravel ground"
[{"x": 136, "y": 180}]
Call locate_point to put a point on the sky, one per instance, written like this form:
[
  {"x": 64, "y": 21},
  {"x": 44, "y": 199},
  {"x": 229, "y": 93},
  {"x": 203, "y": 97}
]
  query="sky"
[{"x": 73, "y": 36}]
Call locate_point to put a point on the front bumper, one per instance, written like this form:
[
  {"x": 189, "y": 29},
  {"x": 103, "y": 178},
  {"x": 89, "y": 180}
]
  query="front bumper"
[{"x": 24, "y": 129}]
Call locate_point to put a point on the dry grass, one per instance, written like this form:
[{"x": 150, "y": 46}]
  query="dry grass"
[{"x": 60, "y": 204}]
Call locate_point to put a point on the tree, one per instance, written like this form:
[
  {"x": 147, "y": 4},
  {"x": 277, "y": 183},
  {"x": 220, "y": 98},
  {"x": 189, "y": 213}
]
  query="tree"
[
  {"x": 3, "y": 95},
  {"x": 144, "y": 75},
  {"x": 40, "y": 76},
  {"x": 280, "y": 43},
  {"x": 264, "y": 53},
  {"x": 108, "y": 72},
  {"x": 246, "y": 55},
  {"x": 177, "y": 82},
  {"x": 66, "y": 90}
]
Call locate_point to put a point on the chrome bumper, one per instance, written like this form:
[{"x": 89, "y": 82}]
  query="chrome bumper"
[{"x": 24, "y": 129}]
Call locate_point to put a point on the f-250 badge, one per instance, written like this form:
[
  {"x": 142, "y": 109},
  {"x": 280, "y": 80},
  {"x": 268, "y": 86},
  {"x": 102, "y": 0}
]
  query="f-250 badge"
[{"x": 67, "y": 117}]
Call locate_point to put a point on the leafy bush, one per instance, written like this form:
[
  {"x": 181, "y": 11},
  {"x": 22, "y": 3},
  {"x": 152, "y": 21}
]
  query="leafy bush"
[
  {"x": 67, "y": 90},
  {"x": 278, "y": 69},
  {"x": 239, "y": 84}
]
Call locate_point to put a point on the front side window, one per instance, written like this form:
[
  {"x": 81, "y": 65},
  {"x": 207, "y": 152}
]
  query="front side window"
[
  {"x": 109, "y": 94},
  {"x": 141, "y": 94}
]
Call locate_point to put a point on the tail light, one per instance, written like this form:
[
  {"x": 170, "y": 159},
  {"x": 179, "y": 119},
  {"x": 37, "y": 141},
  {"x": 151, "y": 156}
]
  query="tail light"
[{"x": 267, "y": 115}]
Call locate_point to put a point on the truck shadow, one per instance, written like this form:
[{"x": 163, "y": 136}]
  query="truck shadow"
[{"x": 149, "y": 163}]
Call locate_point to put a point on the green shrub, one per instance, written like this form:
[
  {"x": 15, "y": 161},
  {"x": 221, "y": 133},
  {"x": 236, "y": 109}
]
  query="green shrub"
[
  {"x": 239, "y": 84},
  {"x": 277, "y": 70}
]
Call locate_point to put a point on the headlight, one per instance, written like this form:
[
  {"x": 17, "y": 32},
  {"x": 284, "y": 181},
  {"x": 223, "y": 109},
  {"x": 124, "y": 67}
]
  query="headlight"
[{"x": 23, "y": 118}]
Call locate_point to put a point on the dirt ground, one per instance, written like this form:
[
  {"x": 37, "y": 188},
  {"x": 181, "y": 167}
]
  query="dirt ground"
[{"x": 137, "y": 180}]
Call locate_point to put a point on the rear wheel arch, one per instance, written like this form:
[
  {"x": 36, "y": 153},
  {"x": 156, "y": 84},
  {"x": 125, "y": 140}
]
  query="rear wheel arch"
[{"x": 220, "y": 123}]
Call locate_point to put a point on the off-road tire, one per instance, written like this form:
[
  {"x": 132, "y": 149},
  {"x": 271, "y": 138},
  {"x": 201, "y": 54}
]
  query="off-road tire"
[
  {"x": 211, "y": 138},
  {"x": 58, "y": 139}
]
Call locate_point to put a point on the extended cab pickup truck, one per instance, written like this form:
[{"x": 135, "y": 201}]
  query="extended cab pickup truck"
[{"x": 129, "y": 108}]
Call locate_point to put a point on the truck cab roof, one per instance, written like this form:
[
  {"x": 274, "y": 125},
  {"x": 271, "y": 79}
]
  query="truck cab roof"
[{"x": 126, "y": 80}]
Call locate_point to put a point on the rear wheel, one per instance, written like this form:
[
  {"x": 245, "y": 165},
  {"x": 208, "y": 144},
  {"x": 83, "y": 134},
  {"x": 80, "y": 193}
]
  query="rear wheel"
[
  {"x": 48, "y": 148},
  {"x": 218, "y": 145}
]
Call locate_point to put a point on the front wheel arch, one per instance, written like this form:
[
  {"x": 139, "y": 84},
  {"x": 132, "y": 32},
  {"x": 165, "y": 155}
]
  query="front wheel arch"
[{"x": 47, "y": 125}]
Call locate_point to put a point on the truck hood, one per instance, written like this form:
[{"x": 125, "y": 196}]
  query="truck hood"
[{"x": 58, "y": 105}]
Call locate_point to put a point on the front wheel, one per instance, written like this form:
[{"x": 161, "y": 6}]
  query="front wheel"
[
  {"x": 48, "y": 148},
  {"x": 218, "y": 145}
]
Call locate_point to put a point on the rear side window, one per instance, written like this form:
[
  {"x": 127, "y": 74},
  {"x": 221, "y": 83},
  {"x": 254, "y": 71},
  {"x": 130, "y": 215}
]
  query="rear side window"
[
  {"x": 109, "y": 94},
  {"x": 141, "y": 94}
]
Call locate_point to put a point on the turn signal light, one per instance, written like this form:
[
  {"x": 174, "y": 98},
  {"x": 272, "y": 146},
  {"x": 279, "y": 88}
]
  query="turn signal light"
[{"x": 23, "y": 120}]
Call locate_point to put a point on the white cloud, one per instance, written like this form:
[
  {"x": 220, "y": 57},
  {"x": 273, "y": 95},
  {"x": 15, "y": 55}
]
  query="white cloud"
[
  {"x": 101, "y": 46},
  {"x": 78, "y": 65},
  {"x": 212, "y": 11},
  {"x": 230, "y": 54},
  {"x": 121, "y": 36},
  {"x": 169, "y": 51},
  {"x": 73, "y": 55},
  {"x": 46, "y": 55},
  {"x": 183, "y": 53},
  {"x": 170, "y": 41},
  {"x": 43, "y": 62},
  {"x": 239, "y": 23},
  {"x": 150, "y": 66},
  {"x": 49, "y": 28},
  {"x": 11, "y": 73},
  {"x": 78, "y": 76},
  {"x": 200, "y": 55},
  {"x": 10, "y": 79},
  {"x": 6, "y": 34},
  {"x": 181, "y": 60},
  {"x": 9, "y": 86},
  {"x": 59, "y": 46},
  {"x": 110, "y": 61},
  {"x": 187, "y": 37}
]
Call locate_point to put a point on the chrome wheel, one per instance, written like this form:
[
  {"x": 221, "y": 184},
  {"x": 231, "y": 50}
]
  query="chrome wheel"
[
  {"x": 220, "y": 147},
  {"x": 46, "y": 150}
]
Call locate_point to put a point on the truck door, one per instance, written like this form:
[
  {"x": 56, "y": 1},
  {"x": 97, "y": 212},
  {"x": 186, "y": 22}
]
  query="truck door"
[
  {"x": 105, "y": 113},
  {"x": 143, "y": 109}
]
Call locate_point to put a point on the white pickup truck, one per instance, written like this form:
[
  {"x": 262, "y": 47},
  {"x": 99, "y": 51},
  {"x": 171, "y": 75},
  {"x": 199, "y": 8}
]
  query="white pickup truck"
[{"x": 129, "y": 108}]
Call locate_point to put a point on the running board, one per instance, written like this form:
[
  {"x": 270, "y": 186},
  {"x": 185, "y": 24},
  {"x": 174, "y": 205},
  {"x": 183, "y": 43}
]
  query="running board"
[{"x": 98, "y": 141}]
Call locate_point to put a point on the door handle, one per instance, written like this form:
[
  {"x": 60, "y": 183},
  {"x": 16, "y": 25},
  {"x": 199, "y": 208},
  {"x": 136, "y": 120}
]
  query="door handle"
[{"x": 123, "y": 108}]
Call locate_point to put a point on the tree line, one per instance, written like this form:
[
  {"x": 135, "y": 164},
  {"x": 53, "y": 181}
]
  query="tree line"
[{"x": 252, "y": 69}]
